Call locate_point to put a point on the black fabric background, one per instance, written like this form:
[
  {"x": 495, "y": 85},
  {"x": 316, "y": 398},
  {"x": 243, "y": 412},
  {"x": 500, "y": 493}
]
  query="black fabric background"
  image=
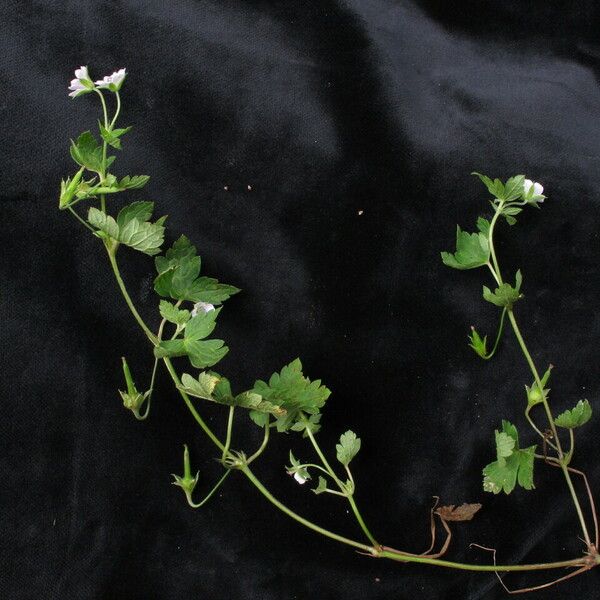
[{"x": 325, "y": 109}]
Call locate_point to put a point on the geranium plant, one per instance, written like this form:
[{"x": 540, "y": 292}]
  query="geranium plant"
[{"x": 189, "y": 304}]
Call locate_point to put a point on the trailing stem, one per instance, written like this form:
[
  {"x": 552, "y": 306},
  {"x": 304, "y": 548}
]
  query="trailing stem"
[
  {"x": 495, "y": 268},
  {"x": 375, "y": 550}
]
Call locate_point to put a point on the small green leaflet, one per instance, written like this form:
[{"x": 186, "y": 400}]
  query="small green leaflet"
[
  {"x": 87, "y": 153},
  {"x": 131, "y": 227},
  {"x": 580, "y": 414},
  {"x": 211, "y": 386},
  {"x": 179, "y": 276},
  {"x": 472, "y": 249},
  {"x": 322, "y": 487},
  {"x": 201, "y": 352},
  {"x": 103, "y": 222},
  {"x": 112, "y": 136},
  {"x": 142, "y": 211},
  {"x": 495, "y": 188},
  {"x": 295, "y": 394},
  {"x": 174, "y": 315},
  {"x": 132, "y": 182},
  {"x": 504, "y": 295},
  {"x": 348, "y": 447},
  {"x": 512, "y": 463},
  {"x": 511, "y": 190}
]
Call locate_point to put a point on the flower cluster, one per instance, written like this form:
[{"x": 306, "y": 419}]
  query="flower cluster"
[{"x": 83, "y": 84}]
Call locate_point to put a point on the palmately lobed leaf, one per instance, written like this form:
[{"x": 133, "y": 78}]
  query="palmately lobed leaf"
[
  {"x": 172, "y": 314},
  {"x": 214, "y": 387},
  {"x": 179, "y": 277},
  {"x": 348, "y": 447},
  {"x": 505, "y": 295},
  {"x": 129, "y": 230},
  {"x": 579, "y": 415},
  {"x": 472, "y": 251},
  {"x": 296, "y": 394},
  {"x": 511, "y": 467}
]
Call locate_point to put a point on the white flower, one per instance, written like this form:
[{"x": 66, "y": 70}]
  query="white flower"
[
  {"x": 298, "y": 477},
  {"x": 202, "y": 307},
  {"x": 82, "y": 84},
  {"x": 112, "y": 82},
  {"x": 538, "y": 189}
]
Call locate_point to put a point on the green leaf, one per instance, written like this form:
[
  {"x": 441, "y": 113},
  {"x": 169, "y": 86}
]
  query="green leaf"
[
  {"x": 179, "y": 276},
  {"x": 132, "y": 182},
  {"x": 173, "y": 314},
  {"x": 211, "y": 386},
  {"x": 513, "y": 188},
  {"x": 296, "y": 394},
  {"x": 484, "y": 226},
  {"x": 105, "y": 223},
  {"x": 512, "y": 465},
  {"x": 504, "y": 445},
  {"x": 504, "y": 295},
  {"x": 472, "y": 251},
  {"x": 202, "y": 387},
  {"x": 143, "y": 236},
  {"x": 206, "y": 353},
  {"x": 142, "y": 211},
  {"x": 322, "y": 487},
  {"x": 86, "y": 152},
  {"x": 580, "y": 414},
  {"x": 348, "y": 447},
  {"x": 112, "y": 137},
  {"x": 261, "y": 419},
  {"x": 495, "y": 188}
]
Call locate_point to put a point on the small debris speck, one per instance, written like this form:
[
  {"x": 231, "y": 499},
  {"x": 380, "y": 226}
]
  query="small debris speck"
[
  {"x": 377, "y": 580},
  {"x": 226, "y": 188},
  {"x": 360, "y": 212},
  {"x": 249, "y": 188}
]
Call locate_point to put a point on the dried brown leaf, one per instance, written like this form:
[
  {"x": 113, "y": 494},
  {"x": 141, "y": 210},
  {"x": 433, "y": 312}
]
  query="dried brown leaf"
[{"x": 464, "y": 512}]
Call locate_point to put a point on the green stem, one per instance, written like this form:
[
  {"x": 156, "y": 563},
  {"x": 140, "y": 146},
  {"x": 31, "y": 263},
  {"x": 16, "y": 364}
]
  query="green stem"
[
  {"x": 104, "y": 146},
  {"x": 115, "y": 267},
  {"x": 117, "y": 111},
  {"x": 536, "y": 428},
  {"x": 498, "y": 336},
  {"x": 282, "y": 507},
  {"x": 537, "y": 379},
  {"x": 229, "y": 430},
  {"x": 399, "y": 556},
  {"x": 362, "y": 523},
  {"x": 575, "y": 562},
  {"x": 72, "y": 210},
  {"x": 262, "y": 447},
  {"x": 496, "y": 269},
  {"x": 343, "y": 489},
  {"x": 211, "y": 493},
  {"x": 207, "y": 430},
  {"x": 393, "y": 555}
]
